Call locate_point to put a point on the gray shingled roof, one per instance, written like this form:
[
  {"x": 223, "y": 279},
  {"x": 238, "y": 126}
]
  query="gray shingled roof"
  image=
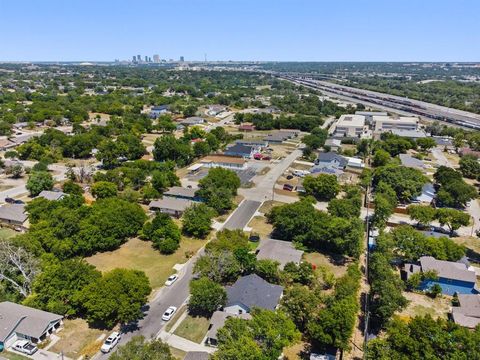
[
  {"x": 13, "y": 212},
  {"x": 245, "y": 150},
  {"x": 448, "y": 269},
  {"x": 197, "y": 355},
  {"x": 329, "y": 157},
  {"x": 180, "y": 191},
  {"x": 171, "y": 203},
  {"x": 411, "y": 162},
  {"x": 23, "y": 319},
  {"x": 52, "y": 195},
  {"x": 279, "y": 250},
  {"x": 252, "y": 291},
  {"x": 218, "y": 320},
  {"x": 468, "y": 313}
]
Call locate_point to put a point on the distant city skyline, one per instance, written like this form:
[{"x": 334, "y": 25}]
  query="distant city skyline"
[{"x": 242, "y": 30}]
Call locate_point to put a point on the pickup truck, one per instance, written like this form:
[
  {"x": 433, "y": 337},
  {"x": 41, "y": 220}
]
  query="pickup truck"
[{"x": 25, "y": 347}]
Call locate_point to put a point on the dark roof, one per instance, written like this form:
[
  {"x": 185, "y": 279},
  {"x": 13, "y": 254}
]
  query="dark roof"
[
  {"x": 160, "y": 107},
  {"x": 239, "y": 149},
  {"x": 330, "y": 157},
  {"x": 253, "y": 291}
]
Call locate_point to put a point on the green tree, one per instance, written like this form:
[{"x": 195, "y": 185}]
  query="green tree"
[
  {"x": 140, "y": 349},
  {"x": 218, "y": 189},
  {"x": 424, "y": 214},
  {"x": 381, "y": 158},
  {"x": 454, "y": 219},
  {"x": 323, "y": 187},
  {"x": 70, "y": 187},
  {"x": 470, "y": 167},
  {"x": 117, "y": 297},
  {"x": 163, "y": 232},
  {"x": 406, "y": 182},
  {"x": 39, "y": 181},
  {"x": 104, "y": 189},
  {"x": 219, "y": 266},
  {"x": 197, "y": 220},
  {"x": 301, "y": 304},
  {"x": 206, "y": 296},
  {"x": 426, "y": 143},
  {"x": 59, "y": 284}
]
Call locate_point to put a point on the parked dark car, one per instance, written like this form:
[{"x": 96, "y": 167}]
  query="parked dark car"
[
  {"x": 289, "y": 177},
  {"x": 288, "y": 187},
  {"x": 10, "y": 200},
  {"x": 254, "y": 237},
  {"x": 19, "y": 202}
]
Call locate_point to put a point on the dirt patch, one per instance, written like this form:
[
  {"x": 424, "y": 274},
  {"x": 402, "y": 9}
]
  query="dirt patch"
[
  {"x": 421, "y": 304},
  {"x": 260, "y": 226},
  {"x": 337, "y": 267},
  {"x": 268, "y": 205},
  {"x": 77, "y": 339}
]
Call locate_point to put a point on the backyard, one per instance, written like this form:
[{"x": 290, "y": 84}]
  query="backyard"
[
  {"x": 140, "y": 255},
  {"x": 421, "y": 305}
]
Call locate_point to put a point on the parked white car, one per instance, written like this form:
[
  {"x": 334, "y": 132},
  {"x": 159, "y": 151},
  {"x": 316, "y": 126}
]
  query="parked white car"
[
  {"x": 301, "y": 173},
  {"x": 25, "y": 346},
  {"x": 167, "y": 315},
  {"x": 171, "y": 279},
  {"x": 111, "y": 342}
]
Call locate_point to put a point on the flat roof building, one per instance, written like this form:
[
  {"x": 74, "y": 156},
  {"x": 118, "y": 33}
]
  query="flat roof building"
[
  {"x": 387, "y": 123},
  {"x": 170, "y": 205},
  {"x": 351, "y": 126},
  {"x": 227, "y": 162}
]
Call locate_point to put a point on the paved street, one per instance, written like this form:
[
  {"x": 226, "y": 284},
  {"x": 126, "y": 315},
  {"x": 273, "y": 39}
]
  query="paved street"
[{"x": 242, "y": 215}]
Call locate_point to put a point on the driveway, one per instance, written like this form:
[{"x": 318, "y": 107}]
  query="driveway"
[{"x": 242, "y": 215}]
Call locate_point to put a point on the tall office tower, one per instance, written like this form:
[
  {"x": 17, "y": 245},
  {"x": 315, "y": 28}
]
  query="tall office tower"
[
  {"x": 139, "y": 58},
  {"x": 156, "y": 58},
  {"x": 134, "y": 58},
  {"x": 182, "y": 59},
  {"x": 149, "y": 59},
  {"x": 146, "y": 58}
]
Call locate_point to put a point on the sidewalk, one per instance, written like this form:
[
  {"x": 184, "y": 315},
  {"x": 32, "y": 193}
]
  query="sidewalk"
[{"x": 183, "y": 344}]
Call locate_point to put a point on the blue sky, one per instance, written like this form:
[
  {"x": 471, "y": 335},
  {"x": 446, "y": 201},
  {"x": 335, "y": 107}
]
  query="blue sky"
[{"x": 283, "y": 30}]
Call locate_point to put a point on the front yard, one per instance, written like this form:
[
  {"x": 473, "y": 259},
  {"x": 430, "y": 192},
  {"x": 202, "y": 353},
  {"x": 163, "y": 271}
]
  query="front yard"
[
  {"x": 421, "y": 305},
  {"x": 78, "y": 339},
  {"x": 193, "y": 328},
  {"x": 140, "y": 255}
]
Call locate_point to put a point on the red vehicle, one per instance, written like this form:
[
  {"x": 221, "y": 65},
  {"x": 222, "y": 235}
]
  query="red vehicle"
[
  {"x": 258, "y": 156},
  {"x": 266, "y": 157}
]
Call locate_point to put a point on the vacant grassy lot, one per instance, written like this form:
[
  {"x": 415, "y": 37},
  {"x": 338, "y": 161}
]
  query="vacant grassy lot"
[
  {"x": 268, "y": 205},
  {"x": 177, "y": 353},
  {"x": 13, "y": 356},
  {"x": 295, "y": 351},
  {"x": 259, "y": 225},
  {"x": 193, "y": 328},
  {"x": 6, "y": 233},
  {"x": 321, "y": 260},
  {"x": 421, "y": 304},
  {"x": 77, "y": 339},
  {"x": 140, "y": 255}
]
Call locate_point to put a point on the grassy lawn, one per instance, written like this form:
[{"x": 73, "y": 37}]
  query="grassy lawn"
[
  {"x": 321, "y": 260},
  {"x": 140, "y": 255},
  {"x": 6, "y": 233},
  {"x": 294, "y": 352},
  {"x": 260, "y": 226},
  {"x": 77, "y": 339},
  {"x": 175, "y": 318},
  {"x": 268, "y": 205},
  {"x": 177, "y": 353},
  {"x": 193, "y": 328},
  {"x": 421, "y": 304},
  {"x": 12, "y": 356}
]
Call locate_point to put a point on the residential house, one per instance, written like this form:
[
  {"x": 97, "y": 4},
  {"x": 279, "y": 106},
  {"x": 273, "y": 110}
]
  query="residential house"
[
  {"x": 191, "y": 121},
  {"x": 281, "y": 136},
  {"x": 227, "y": 162},
  {"x": 467, "y": 151},
  {"x": 257, "y": 143},
  {"x": 170, "y": 205},
  {"x": 156, "y": 111},
  {"x": 240, "y": 150},
  {"x": 214, "y": 110},
  {"x": 13, "y": 214},
  {"x": 6, "y": 144},
  {"x": 333, "y": 144},
  {"x": 20, "y": 139},
  {"x": 246, "y": 127},
  {"x": 353, "y": 162},
  {"x": 467, "y": 314},
  {"x": 331, "y": 160},
  {"x": 427, "y": 195},
  {"x": 18, "y": 322},
  {"x": 453, "y": 277},
  {"x": 252, "y": 291},
  {"x": 411, "y": 162},
  {"x": 217, "y": 321},
  {"x": 180, "y": 192},
  {"x": 52, "y": 195},
  {"x": 279, "y": 250}
]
